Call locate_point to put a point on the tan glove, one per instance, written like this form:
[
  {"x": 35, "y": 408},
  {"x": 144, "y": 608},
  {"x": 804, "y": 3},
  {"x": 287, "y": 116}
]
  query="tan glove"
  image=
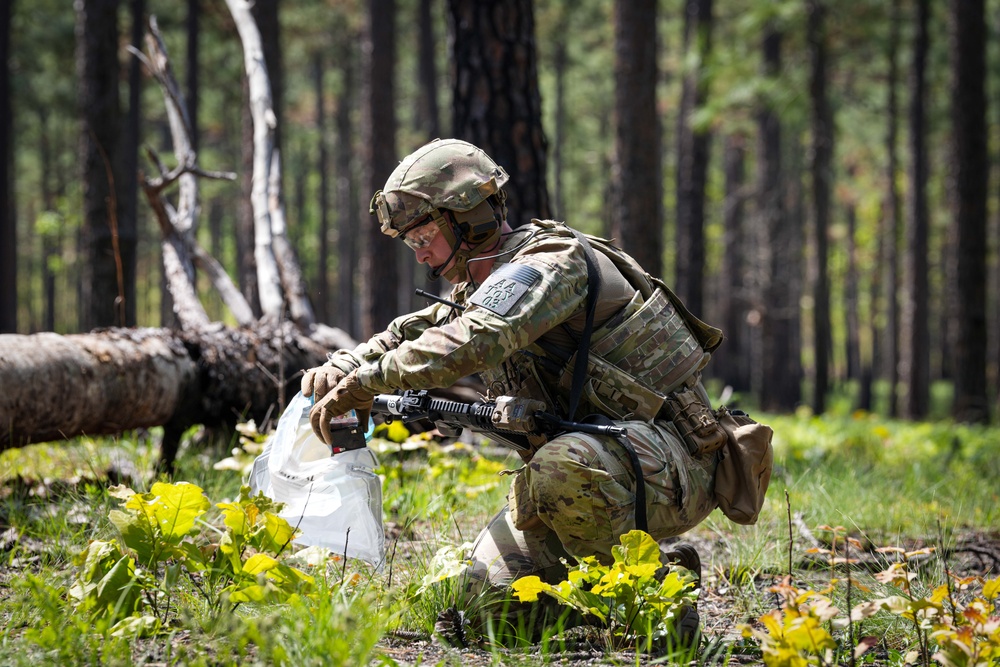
[
  {"x": 317, "y": 382},
  {"x": 346, "y": 396}
]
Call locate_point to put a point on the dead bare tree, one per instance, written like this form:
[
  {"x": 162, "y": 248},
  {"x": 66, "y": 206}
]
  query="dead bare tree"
[{"x": 113, "y": 380}]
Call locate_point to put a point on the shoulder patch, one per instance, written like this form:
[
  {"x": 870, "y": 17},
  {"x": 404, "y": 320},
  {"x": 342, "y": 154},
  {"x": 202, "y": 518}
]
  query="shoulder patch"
[{"x": 505, "y": 287}]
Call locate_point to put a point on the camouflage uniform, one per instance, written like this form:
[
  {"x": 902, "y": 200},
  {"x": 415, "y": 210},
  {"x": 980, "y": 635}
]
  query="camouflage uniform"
[{"x": 575, "y": 496}]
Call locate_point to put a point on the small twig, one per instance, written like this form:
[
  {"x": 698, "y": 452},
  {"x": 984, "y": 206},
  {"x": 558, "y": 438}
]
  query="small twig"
[
  {"x": 850, "y": 620},
  {"x": 343, "y": 571},
  {"x": 947, "y": 575},
  {"x": 788, "y": 505}
]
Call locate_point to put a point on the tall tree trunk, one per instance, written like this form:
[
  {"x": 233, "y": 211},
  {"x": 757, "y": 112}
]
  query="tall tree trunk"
[
  {"x": 496, "y": 102},
  {"x": 50, "y": 237},
  {"x": 852, "y": 318},
  {"x": 779, "y": 384},
  {"x": 8, "y": 226},
  {"x": 692, "y": 159},
  {"x": 732, "y": 360},
  {"x": 636, "y": 176},
  {"x": 245, "y": 266},
  {"x": 128, "y": 180},
  {"x": 348, "y": 216},
  {"x": 821, "y": 171},
  {"x": 97, "y": 75},
  {"x": 915, "y": 337},
  {"x": 379, "y": 265},
  {"x": 324, "y": 299},
  {"x": 193, "y": 85},
  {"x": 428, "y": 111},
  {"x": 428, "y": 117},
  {"x": 970, "y": 175},
  {"x": 560, "y": 65},
  {"x": 892, "y": 223}
]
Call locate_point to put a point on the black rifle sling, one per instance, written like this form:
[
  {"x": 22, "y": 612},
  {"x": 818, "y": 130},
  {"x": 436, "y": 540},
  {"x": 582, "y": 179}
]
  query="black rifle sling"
[{"x": 580, "y": 372}]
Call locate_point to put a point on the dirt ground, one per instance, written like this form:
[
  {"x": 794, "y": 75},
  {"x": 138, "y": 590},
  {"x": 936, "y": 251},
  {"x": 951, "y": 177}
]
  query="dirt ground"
[{"x": 974, "y": 553}]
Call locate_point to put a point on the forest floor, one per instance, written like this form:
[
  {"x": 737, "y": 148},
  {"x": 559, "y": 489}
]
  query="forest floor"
[{"x": 928, "y": 489}]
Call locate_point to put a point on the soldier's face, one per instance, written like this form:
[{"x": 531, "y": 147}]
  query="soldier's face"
[{"x": 436, "y": 252}]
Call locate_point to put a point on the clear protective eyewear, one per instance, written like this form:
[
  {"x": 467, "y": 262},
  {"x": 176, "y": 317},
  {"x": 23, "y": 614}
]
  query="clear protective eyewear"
[{"x": 422, "y": 234}]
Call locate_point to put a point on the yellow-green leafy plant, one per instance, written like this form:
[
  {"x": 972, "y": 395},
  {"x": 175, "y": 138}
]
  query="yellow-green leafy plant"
[
  {"x": 632, "y": 597},
  {"x": 132, "y": 580},
  {"x": 965, "y": 634},
  {"x": 794, "y": 634}
]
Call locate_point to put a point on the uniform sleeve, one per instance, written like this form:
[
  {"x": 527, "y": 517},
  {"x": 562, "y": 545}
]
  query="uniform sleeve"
[
  {"x": 480, "y": 338},
  {"x": 401, "y": 329}
]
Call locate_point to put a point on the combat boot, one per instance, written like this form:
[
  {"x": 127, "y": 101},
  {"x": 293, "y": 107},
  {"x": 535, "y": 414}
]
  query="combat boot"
[{"x": 687, "y": 622}]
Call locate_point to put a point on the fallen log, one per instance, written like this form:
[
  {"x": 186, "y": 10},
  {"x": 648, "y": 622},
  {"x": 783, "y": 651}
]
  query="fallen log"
[{"x": 109, "y": 381}]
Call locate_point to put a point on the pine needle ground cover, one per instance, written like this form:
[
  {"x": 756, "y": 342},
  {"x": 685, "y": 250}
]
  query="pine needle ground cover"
[{"x": 878, "y": 544}]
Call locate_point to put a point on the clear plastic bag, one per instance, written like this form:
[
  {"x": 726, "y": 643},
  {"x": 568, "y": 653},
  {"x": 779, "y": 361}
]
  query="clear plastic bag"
[{"x": 335, "y": 500}]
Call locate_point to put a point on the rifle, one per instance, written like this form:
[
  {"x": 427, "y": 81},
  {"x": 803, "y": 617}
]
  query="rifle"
[{"x": 509, "y": 420}]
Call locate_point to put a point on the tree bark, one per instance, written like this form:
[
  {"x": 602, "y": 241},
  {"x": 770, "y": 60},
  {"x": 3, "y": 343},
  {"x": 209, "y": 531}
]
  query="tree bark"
[
  {"x": 914, "y": 332},
  {"x": 560, "y": 67},
  {"x": 852, "y": 318},
  {"x": 892, "y": 223},
  {"x": 821, "y": 171},
  {"x": 636, "y": 176},
  {"x": 380, "y": 255},
  {"x": 347, "y": 198},
  {"x": 970, "y": 172},
  {"x": 102, "y": 302},
  {"x": 193, "y": 28},
  {"x": 496, "y": 101},
  {"x": 732, "y": 359},
  {"x": 324, "y": 299},
  {"x": 428, "y": 111},
  {"x": 115, "y": 380},
  {"x": 8, "y": 226},
  {"x": 692, "y": 159},
  {"x": 777, "y": 376},
  {"x": 128, "y": 179}
]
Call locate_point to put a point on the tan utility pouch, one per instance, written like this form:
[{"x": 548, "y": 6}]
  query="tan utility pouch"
[
  {"x": 523, "y": 512},
  {"x": 695, "y": 422},
  {"x": 745, "y": 471}
]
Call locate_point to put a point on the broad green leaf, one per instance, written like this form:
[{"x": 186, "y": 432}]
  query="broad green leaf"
[
  {"x": 527, "y": 589},
  {"x": 276, "y": 535},
  {"x": 194, "y": 558},
  {"x": 118, "y": 592},
  {"x": 637, "y": 548},
  {"x": 235, "y": 518},
  {"x": 136, "y": 626},
  {"x": 643, "y": 570},
  {"x": 178, "y": 507},
  {"x": 250, "y": 593},
  {"x": 137, "y": 533},
  {"x": 991, "y": 588},
  {"x": 258, "y": 563}
]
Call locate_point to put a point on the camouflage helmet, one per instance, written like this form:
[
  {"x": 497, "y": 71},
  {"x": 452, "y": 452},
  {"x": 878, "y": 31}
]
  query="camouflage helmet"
[{"x": 443, "y": 174}]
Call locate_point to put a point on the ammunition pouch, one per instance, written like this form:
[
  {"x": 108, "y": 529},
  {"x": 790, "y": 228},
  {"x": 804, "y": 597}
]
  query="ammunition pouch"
[
  {"x": 523, "y": 512},
  {"x": 691, "y": 413}
]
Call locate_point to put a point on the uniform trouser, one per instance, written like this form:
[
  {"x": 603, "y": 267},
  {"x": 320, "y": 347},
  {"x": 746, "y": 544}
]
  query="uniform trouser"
[{"x": 577, "y": 498}]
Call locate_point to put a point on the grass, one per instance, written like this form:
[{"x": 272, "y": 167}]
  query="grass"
[{"x": 886, "y": 483}]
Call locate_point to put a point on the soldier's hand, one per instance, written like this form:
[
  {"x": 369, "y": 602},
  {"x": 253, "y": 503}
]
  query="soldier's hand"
[
  {"x": 318, "y": 382},
  {"x": 346, "y": 396}
]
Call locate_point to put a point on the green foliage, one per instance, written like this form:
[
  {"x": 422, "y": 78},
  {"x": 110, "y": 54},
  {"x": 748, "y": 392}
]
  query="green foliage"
[
  {"x": 634, "y": 601},
  {"x": 459, "y": 473},
  {"x": 159, "y": 542}
]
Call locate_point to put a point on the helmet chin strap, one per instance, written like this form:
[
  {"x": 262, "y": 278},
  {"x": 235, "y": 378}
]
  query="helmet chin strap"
[{"x": 460, "y": 270}]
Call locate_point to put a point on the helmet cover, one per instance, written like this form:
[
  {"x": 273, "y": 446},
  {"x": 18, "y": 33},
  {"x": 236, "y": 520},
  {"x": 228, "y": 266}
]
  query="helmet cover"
[{"x": 443, "y": 174}]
